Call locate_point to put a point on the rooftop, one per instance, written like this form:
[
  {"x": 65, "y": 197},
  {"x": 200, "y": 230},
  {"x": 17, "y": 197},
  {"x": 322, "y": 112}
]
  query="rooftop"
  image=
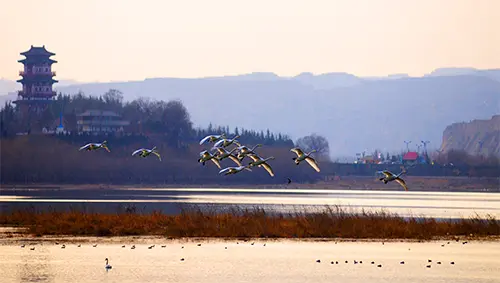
[
  {"x": 410, "y": 155},
  {"x": 99, "y": 113},
  {"x": 37, "y": 51}
]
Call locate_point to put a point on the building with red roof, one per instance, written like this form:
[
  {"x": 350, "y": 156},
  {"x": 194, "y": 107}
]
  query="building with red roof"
[{"x": 410, "y": 157}]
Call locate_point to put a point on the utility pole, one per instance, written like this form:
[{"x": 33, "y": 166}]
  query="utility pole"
[
  {"x": 425, "y": 145},
  {"x": 407, "y": 145}
]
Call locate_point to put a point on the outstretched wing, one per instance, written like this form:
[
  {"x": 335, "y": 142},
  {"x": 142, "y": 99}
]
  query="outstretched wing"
[
  {"x": 157, "y": 154},
  {"x": 216, "y": 161},
  {"x": 137, "y": 151},
  {"x": 85, "y": 146},
  {"x": 268, "y": 169},
  {"x": 254, "y": 157},
  {"x": 402, "y": 183},
  {"x": 205, "y": 139},
  {"x": 313, "y": 163},
  {"x": 224, "y": 170},
  {"x": 387, "y": 173},
  {"x": 218, "y": 143},
  {"x": 297, "y": 151},
  {"x": 235, "y": 159}
]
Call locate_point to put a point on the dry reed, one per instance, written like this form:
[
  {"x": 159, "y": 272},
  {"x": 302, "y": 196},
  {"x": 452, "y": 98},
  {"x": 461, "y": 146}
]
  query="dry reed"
[{"x": 332, "y": 222}]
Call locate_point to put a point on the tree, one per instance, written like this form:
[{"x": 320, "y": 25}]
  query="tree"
[
  {"x": 177, "y": 123},
  {"x": 113, "y": 98},
  {"x": 319, "y": 143}
]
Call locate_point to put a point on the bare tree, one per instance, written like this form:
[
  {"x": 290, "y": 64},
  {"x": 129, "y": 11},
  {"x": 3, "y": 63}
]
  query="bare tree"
[{"x": 315, "y": 142}]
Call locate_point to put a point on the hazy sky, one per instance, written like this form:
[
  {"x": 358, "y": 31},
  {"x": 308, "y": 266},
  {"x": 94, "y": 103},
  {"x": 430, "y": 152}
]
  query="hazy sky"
[{"x": 103, "y": 40}]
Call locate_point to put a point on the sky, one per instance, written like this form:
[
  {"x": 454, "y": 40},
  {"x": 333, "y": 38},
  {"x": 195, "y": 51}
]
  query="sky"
[{"x": 119, "y": 40}]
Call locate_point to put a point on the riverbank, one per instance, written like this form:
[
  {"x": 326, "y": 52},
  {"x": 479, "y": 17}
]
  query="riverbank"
[{"x": 332, "y": 222}]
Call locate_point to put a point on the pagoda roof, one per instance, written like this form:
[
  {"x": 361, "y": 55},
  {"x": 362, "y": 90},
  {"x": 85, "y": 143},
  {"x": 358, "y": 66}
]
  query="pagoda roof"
[
  {"x": 37, "y": 79},
  {"x": 37, "y": 51},
  {"x": 37, "y": 60}
]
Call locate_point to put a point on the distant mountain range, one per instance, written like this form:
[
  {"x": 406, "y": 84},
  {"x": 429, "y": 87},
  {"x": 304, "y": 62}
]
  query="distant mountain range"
[{"x": 354, "y": 113}]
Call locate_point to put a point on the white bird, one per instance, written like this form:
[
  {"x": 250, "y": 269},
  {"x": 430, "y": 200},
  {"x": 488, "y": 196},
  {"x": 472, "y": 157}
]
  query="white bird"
[
  {"x": 94, "y": 146},
  {"x": 227, "y": 142},
  {"x": 205, "y": 156},
  {"x": 143, "y": 152},
  {"x": 234, "y": 170},
  {"x": 389, "y": 176},
  {"x": 301, "y": 156},
  {"x": 244, "y": 151},
  {"x": 212, "y": 138},
  {"x": 107, "y": 265},
  {"x": 258, "y": 161},
  {"x": 225, "y": 154}
]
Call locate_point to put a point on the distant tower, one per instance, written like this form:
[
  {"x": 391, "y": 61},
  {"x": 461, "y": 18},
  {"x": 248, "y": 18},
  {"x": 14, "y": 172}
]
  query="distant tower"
[{"x": 37, "y": 82}]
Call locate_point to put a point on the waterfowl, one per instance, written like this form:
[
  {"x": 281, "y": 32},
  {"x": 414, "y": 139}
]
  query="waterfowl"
[
  {"x": 206, "y": 156},
  {"x": 301, "y": 156},
  {"x": 258, "y": 161},
  {"x": 107, "y": 265},
  {"x": 212, "y": 138},
  {"x": 225, "y": 154},
  {"x": 227, "y": 142},
  {"x": 234, "y": 170},
  {"x": 244, "y": 151},
  {"x": 95, "y": 146},
  {"x": 389, "y": 176},
  {"x": 143, "y": 152}
]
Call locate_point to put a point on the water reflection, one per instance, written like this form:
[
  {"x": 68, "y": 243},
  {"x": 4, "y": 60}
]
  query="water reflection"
[
  {"x": 232, "y": 261},
  {"x": 167, "y": 200},
  {"x": 34, "y": 265}
]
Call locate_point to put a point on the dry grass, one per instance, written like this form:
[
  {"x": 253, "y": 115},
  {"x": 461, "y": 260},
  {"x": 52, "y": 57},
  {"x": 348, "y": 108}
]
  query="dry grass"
[{"x": 333, "y": 222}]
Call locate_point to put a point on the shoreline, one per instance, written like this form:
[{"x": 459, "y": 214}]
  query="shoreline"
[{"x": 150, "y": 239}]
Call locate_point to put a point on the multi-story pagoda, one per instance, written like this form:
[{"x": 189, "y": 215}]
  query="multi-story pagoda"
[{"x": 37, "y": 82}]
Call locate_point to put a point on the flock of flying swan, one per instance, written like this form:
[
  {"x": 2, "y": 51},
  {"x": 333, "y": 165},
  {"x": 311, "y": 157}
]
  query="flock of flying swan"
[{"x": 220, "y": 151}]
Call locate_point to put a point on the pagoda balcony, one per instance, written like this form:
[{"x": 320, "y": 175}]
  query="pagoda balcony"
[
  {"x": 36, "y": 94},
  {"x": 29, "y": 100},
  {"x": 23, "y": 73}
]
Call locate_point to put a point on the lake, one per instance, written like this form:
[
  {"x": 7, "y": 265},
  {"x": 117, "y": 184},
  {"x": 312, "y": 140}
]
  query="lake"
[
  {"x": 170, "y": 200},
  {"x": 238, "y": 261}
]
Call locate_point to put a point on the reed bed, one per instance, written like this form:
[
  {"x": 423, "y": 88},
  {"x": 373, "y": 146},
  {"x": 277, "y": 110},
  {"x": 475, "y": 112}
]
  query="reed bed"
[{"x": 332, "y": 222}]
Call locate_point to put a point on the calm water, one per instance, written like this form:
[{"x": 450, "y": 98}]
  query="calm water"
[
  {"x": 281, "y": 261},
  {"x": 431, "y": 204}
]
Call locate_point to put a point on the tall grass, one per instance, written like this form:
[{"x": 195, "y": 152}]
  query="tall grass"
[{"x": 332, "y": 222}]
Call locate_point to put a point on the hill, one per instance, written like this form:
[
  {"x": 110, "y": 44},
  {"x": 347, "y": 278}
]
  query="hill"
[
  {"x": 474, "y": 137},
  {"x": 366, "y": 115}
]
